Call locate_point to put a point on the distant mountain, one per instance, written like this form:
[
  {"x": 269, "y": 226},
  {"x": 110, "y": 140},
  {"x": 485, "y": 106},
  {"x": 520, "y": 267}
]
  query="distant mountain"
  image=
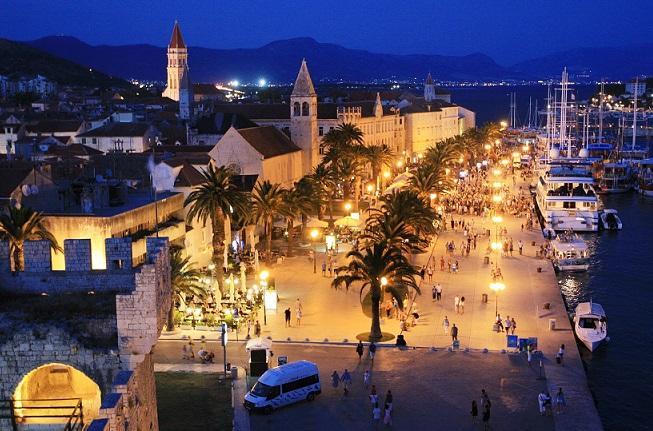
[
  {"x": 276, "y": 61},
  {"x": 607, "y": 62},
  {"x": 20, "y": 59}
]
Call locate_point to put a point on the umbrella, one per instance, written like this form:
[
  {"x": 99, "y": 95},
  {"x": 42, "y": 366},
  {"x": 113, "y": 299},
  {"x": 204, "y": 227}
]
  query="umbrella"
[
  {"x": 348, "y": 221},
  {"x": 316, "y": 223}
]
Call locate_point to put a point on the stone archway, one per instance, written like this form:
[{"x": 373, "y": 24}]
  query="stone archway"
[{"x": 50, "y": 390}]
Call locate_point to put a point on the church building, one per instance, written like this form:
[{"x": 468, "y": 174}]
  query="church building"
[{"x": 178, "y": 86}]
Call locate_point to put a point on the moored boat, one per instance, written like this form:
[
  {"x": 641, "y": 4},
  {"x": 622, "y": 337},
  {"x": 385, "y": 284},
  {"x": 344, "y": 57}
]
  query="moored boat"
[
  {"x": 570, "y": 253},
  {"x": 590, "y": 324},
  {"x": 645, "y": 177},
  {"x": 610, "y": 220}
]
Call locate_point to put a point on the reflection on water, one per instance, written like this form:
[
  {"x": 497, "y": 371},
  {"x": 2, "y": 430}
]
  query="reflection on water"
[{"x": 619, "y": 278}]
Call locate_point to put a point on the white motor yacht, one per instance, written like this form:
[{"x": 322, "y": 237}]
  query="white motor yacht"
[
  {"x": 570, "y": 253},
  {"x": 590, "y": 324},
  {"x": 610, "y": 220}
]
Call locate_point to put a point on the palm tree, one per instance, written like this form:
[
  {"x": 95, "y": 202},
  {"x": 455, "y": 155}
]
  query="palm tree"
[
  {"x": 374, "y": 266},
  {"x": 325, "y": 186},
  {"x": 294, "y": 204},
  {"x": 215, "y": 200},
  {"x": 184, "y": 280},
  {"x": 410, "y": 208},
  {"x": 429, "y": 178},
  {"x": 267, "y": 199},
  {"x": 444, "y": 153},
  {"x": 20, "y": 224},
  {"x": 378, "y": 156}
]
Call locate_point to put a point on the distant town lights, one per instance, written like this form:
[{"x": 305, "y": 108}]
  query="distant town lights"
[
  {"x": 234, "y": 83},
  {"x": 262, "y": 82}
]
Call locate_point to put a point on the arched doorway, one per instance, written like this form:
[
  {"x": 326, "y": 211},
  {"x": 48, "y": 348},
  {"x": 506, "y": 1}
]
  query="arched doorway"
[{"x": 52, "y": 393}]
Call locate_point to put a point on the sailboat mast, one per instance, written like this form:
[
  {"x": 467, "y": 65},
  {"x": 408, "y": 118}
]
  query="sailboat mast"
[
  {"x": 563, "y": 113},
  {"x": 601, "y": 114},
  {"x": 635, "y": 114}
]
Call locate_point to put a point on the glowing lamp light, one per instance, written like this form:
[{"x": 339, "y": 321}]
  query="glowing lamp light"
[
  {"x": 496, "y": 199},
  {"x": 347, "y": 206},
  {"x": 497, "y": 219},
  {"x": 496, "y": 184},
  {"x": 264, "y": 275},
  {"x": 497, "y": 142},
  {"x": 386, "y": 174},
  {"x": 262, "y": 82},
  {"x": 495, "y": 245},
  {"x": 314, "y": 234},
  {"x": 433, "y": 196},
  {"x": 497, "y": 287},
  {"x": 503, "y": 124},
  {"x": 504, "y": 162},
  {"x": 487, "y": 147},
  {"x": 515, "y": 154},
  {"x": 400, "y": 163},
  {"x": 384, "y": 281},
  {"x": 370, "y": 188},
  {"x": 525, "y": 148},
  {"x": 496, "y": 172}
]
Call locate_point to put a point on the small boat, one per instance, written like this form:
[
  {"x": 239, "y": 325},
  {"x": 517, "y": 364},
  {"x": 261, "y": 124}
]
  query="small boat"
[
  {"x": 645, "y": 177},
  {"x": 610, "y": 220},
  {"x": 616, "y": 177},
  {"x": 590, "y": 324},
  {"x": 570, "y": 253}
]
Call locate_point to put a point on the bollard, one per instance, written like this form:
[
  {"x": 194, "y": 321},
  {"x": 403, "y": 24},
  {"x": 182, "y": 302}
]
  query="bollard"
[
  {"x": 484, "y": 298},
  {"x": 552, "y": 324}
]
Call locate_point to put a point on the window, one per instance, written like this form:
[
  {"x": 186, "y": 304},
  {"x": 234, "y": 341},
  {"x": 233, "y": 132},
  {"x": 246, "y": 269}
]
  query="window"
[
  {"x": 300, "y": 383},
  {"x": 320, "y": 131},
  {"x": 305, "y": 110},
  {"x": 83, "y": 141},
  {"x": 296, "y": 109},
  {"x": 263, "y": 390},
  {"x": 569, "y": 204}
]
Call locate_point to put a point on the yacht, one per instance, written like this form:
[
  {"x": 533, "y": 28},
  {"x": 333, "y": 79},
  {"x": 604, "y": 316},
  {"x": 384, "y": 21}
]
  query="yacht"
[
  {"x": 570, "y": 253},
  {"x": 616, "y": 177},
  {"x": 644, "y": 183},
  {"x": 566, "y": 198},
  {"x": 590, "y": 324},
  {"x": 610, "y": 220}
]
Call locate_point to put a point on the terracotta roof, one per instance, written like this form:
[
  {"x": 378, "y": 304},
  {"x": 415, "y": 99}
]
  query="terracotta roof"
[
  {"x": 218, "y": 123},
  {"x": 205, "y": 89},
  {"x": 188, "y": 176},
  {"x": 45, "y": 127},
  {"x": 117, "y": 129},
  {"x": 10, "y": 179},
  {"x": 269, "y": 141},
  {"x": 174, "y": 149},
  {"x": 78, "y": 150},
  {"x": 176, "y": 41}
]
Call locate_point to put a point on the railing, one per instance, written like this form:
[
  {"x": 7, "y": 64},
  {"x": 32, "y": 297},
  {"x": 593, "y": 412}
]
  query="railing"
[{"x": 44, "y": 411}]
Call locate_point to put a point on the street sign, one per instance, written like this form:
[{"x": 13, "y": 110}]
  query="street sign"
[
  {"x": 512, "y": 341},
  {"x": 224, "y": 337}
]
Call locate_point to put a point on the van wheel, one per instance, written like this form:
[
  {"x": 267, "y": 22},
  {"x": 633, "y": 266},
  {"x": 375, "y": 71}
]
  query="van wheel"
[
  {"x": 267, "y": 410},
  {"x": 310, "y": 397}
]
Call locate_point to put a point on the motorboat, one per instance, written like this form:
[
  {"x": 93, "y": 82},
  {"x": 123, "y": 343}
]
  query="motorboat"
[
  {"x": 590, "y": 324},
  {"x": 645, "y": 177},
  {"x": 570, "y": 253},
  {"x": 610, "y": 220}
]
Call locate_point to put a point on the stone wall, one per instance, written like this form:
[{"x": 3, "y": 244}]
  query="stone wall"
[{"x": 77, "y": 254}]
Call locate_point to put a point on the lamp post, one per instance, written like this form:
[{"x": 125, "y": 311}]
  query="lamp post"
[
  {"x": 314, "y": 234},
  {"x": 497, "y": 287},
  {"x": 264, "y": 286}
]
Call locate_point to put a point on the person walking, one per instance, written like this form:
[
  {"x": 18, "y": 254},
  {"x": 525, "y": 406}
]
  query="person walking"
[
  {"x": 456, "y": 303},
  {"x": 529, "y": 354},
  {"x": 513, "y": 326},
  {"x": 184, "y": 351},
  {"x": 461, "y": 305},
  {"x": 438, "y": 291},
  {"x": 520, "y": 244},
  {"x": 454, "y": 333},
  {"x": 561, "y": 354},
  {"x": 287, "y": 314},
  {"x": 445, "y": 325},
  {"x": 542, "y": 400},
  {"x": 372, "y": 349},
  {"x": 430, "y": 273},
  {"x": 442, "y": 263},
  {"x": 486, "y": 417},
  {"x": 485, "y": 399},
  {"x": 434, "y": 293},
  {"x": 257, "y": 329},
  {"x": 191, "y": 353},
  {"x": 499, "y": 323},
  {"x": 474, "y": 412},
  {"x": 298, "y": 316},
  {"x": 387, "y": 417},
  {"x": 507, "y": 323},
  {"x": 376, "y": 413},
  {"x": 388, "y": 399},
  {"x": 366, "y": 378},
  {"x": 324, "y": 267},
  {"x": 374, "y": 397},
  {"x": 346, "y": 381},
  {"x": 335, "y": 379},
  {"x": 359, "y": 351},
  {"x": 560, "y": 401}
]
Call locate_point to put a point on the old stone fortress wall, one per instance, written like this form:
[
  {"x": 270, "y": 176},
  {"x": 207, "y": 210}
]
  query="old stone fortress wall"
[{"x": 81, "y": 334}]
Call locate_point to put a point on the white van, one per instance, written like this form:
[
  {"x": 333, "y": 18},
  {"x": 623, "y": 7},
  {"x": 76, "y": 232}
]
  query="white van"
[{"x": 284, "y": 385}]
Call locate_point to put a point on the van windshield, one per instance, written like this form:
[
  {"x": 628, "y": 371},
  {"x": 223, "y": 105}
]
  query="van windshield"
[{"x": 263, "y": 390}]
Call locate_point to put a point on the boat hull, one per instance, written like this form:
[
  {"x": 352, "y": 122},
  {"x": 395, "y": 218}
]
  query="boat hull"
[{"x": 570, "y": 267}]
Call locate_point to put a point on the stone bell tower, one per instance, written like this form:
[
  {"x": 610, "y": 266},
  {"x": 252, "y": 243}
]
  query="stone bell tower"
[{"x": 303, "y": 119}]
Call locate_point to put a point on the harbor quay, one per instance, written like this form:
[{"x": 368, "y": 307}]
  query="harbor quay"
[{"x": 333, "y": 318}]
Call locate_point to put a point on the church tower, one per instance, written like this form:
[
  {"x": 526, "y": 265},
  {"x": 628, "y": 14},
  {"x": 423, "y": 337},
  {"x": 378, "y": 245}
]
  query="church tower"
[
  {"x": 429, "y": 89},
  {"x": 303, "y": 118},
  {"x": 378, "y": 106},
  {"x": 179, "y": 87}
]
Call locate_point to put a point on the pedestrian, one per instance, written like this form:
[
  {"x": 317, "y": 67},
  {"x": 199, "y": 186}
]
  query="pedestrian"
[
  {"x": 560, "y": 401},
  {"x": 287, "y": 314},
  {"x": 474, "y": 411},
  {"x": 374, "y": 398},
  {"x": 335, "y": 379},
  {"x": 456, "y": 303},
  {"x": 191, "y": 354},
  {"x": 454, "y": 333},
  {"x": 387, "y": 418},
  {"x": 561, "y": 354},
  {"x": 485, "y": 399},
  {"x": 376, "y": 413},
  {"x": 324, "y": 269},
  {"x": 542, "y": 400},
  {"x": 499, "y": 323},
  {"x": 359, "y": 351},
  {"x": 372, "y": 349},
  {"x": 510, "y": 246},
  {"x": 461, "y": 305},
  {"x": 422, "y": 273},
  {"x": 298, "y": 316},
  {"x": 438, "y": 291},
  {"x": 388, "y": 309},
  {"x": 257, "y": 329},
  {"x": 507, "y": 323},
  {"x": 366, "y": 378},
  {"x": 520, "y": 244},
  {"x": 184, "y": 351},
  {"x": 388, "y": 399},
  {"x": 430, "y": 273},
  {"x": 513, "y": 326},
  {"x": 346, "y": 381},
  {"x": 441, "y": 263},
  {"x": 434, "y": 293},
  {"x": 445, "y": 325},
  {"x": 486, "y": 417}
]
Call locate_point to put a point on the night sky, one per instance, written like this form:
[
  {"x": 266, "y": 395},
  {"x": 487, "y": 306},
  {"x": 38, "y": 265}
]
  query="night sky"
[{"x": 507, "y": 30}]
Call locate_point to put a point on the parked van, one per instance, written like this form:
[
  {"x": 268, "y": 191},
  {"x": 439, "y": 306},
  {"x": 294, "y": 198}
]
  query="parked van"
[{"x": 284, "y": 385}]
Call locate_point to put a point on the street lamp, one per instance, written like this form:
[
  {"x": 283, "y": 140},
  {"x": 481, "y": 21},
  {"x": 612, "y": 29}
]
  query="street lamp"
[
  {"x": 347, "y": 207},
  {"x": 496, "y": 172},
  {"x": 314, "y": 234},
  {"x": 497, "y": 287}
]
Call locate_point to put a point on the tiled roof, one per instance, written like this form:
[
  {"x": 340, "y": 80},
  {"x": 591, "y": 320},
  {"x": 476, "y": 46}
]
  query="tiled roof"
[
  {"x": 176, "y": 41},
  {"x": 117, "y": 129},
  {"x": 10, "y": 178},
  {"x": 218, "y": 123},
  {"x": 188, "y": 176},
  {"x": 45, "y": 127},
  {"x": 269, "y": 141},
  {"x": 281, "y": 111}
]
